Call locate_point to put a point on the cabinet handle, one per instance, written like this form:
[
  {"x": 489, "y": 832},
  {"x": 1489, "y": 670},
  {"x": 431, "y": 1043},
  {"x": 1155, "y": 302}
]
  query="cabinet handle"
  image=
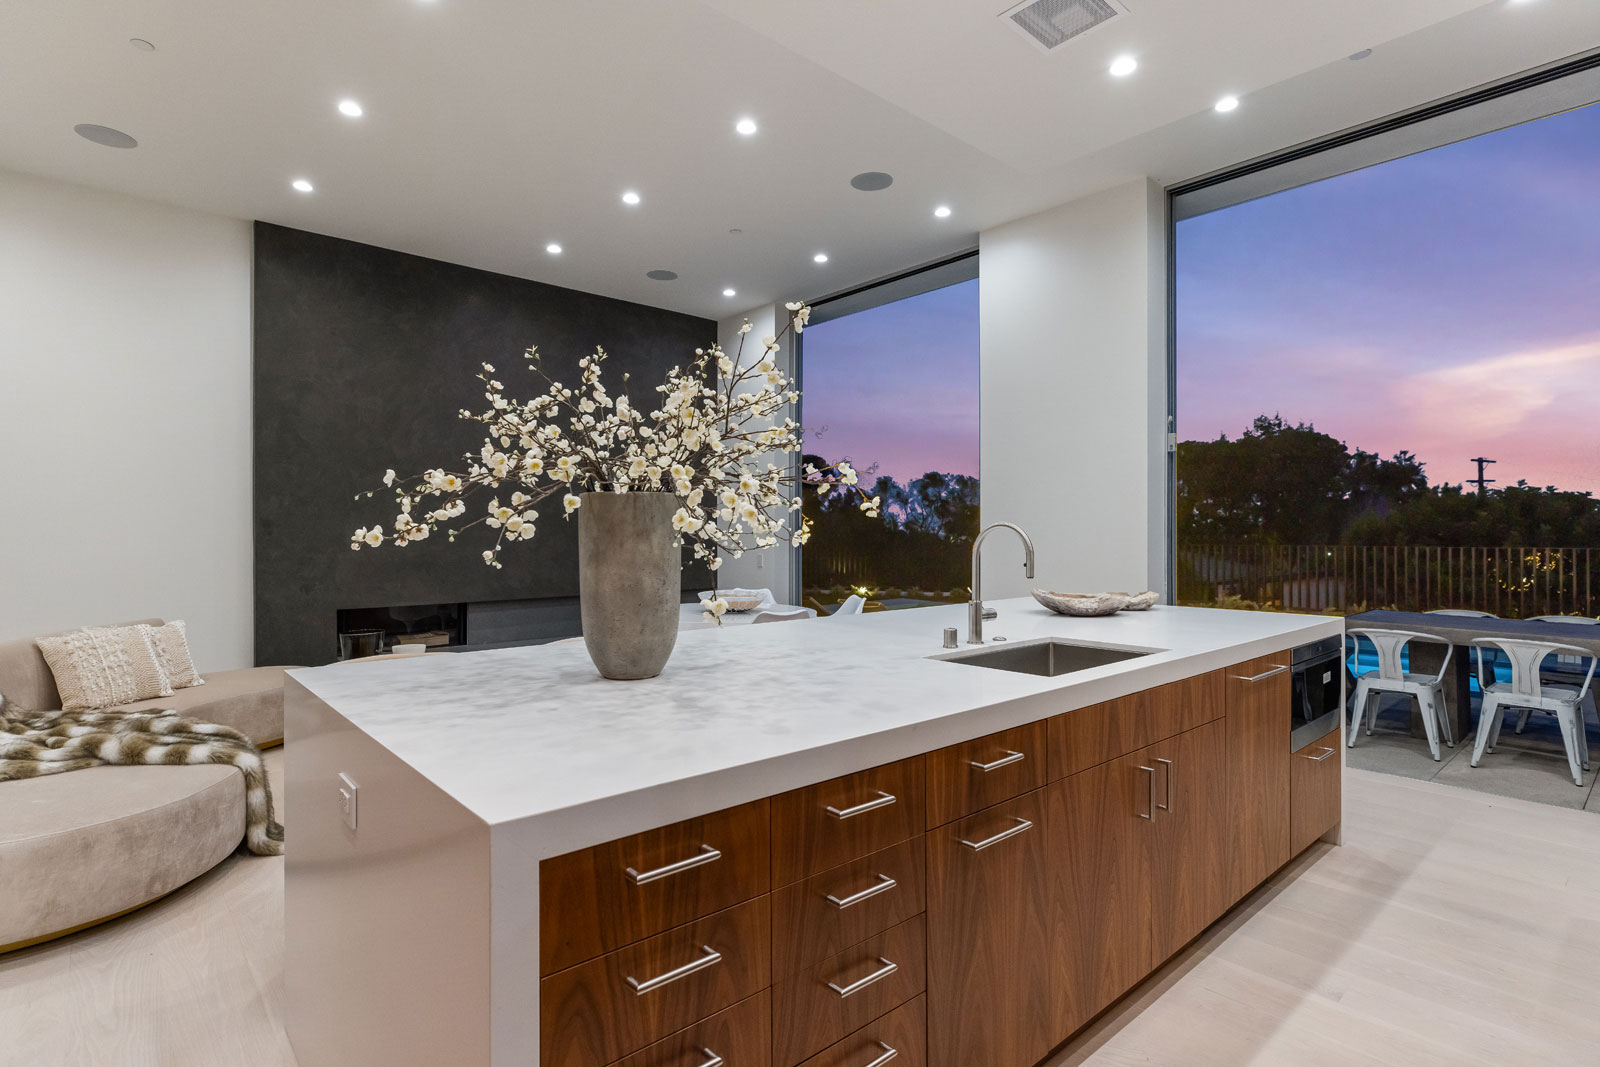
[
  {"x": 888, "y": 1054},
  {"x": 712, "y": 956},
  {"x": 979, "y": 846},
  {"x": 1007, "y": 760},
  {"x": 1168, "y": 805},
  {"x": 1326, "y": 752},
  {"x": 883, "y": 801},
  {"x": 861, "y": 983},
  {"x": 885, "y": 883},
  {"x": 714, "y": 1061},
  {"x": 1151, "y": 814},
  {"x": 1264, "y": 674},
  {"x": 707, "y": 855}
]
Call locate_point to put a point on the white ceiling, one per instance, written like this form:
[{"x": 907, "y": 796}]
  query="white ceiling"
[{"x": 493, "y": 128}]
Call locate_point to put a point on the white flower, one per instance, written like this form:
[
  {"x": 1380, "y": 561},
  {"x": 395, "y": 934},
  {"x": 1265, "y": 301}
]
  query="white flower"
[
  {"x": 571, "y": 503},
  {"x": 488, "y": 555},
  {"x": 713, "y": 564},
  {"x": 747, "y": 484},
  {"x": 450, "y": 483},
  {"x": 374, "y": 536},
  {"x": 683, "y": 522},
  {"x": 745, "y": 328},
  {"x": 388, "y": 476}
]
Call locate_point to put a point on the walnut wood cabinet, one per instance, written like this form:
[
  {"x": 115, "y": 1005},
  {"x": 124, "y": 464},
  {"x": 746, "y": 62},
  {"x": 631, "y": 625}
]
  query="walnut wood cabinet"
[{"x": 974, "y": 905}]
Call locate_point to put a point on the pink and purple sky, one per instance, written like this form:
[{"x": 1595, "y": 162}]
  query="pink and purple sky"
[
  {"x": 897, "y": 385},
  {"x": 1447, "y": 303}
]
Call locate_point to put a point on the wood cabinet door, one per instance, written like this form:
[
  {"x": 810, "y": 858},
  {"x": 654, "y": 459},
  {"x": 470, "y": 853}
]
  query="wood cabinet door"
[
  {"x": 1100, "y": 823},
  {"x": 988, "y": 926},
  {"x": 1189, "y": 858},
  {"x": 1258, "y": 774},
  {"x": 1315, "y": 781}
]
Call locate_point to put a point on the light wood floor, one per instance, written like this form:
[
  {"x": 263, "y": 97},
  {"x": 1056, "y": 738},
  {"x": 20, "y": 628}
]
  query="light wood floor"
[{"x": 1452, "y": 928}]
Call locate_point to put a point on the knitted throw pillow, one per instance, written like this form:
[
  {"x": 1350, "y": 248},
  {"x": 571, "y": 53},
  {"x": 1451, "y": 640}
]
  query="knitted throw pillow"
[
  {"x": 102, "y": 667},
  {"x": 172, "y": 649}
]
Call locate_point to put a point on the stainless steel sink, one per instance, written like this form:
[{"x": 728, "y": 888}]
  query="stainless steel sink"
[{"x": 1047, "y": 658}]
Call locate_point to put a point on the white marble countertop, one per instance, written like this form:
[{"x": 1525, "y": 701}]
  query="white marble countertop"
[{"x": 533, "y": 735}]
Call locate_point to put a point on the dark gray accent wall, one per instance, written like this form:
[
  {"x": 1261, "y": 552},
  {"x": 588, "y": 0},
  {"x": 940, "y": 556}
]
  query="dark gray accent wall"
[{"x": 362, "y": 358}]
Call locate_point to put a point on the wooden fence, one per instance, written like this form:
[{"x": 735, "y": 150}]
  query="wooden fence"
[{"x": 1342, "y": 579}]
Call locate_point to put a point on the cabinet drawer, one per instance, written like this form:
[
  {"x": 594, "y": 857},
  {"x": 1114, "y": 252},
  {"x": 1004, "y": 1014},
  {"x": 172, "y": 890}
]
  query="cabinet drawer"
[
  {"x": 819, "y": 1006},
  {"x": 602, "y": 1010},
  {"x": 601, "y": 898},
  {"x": 901, "y": 1038},
  {"x": 971, "y": 776},
  {"x": 824, "y": 825},
  {"x": 740, "y": 1036},
  {"x": 1314, "y": 791},
  {"x": 1091, "y": 736},
  {"x": 833, "y": 910}
]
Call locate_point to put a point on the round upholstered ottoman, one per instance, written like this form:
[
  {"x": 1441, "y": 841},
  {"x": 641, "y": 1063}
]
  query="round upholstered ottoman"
[{"x": 83, "y": 846}]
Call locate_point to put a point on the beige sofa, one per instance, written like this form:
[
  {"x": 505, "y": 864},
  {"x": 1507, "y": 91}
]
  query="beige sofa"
[{"x": 83, "y": 846}]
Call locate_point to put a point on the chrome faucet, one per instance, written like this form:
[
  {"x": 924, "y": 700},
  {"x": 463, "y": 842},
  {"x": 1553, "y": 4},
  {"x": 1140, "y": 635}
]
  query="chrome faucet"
[{"x": 975, "y": 612}]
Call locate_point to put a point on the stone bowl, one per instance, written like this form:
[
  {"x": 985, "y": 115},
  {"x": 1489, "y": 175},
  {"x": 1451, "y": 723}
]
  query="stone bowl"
[
  {"x": 1139, "y": 601},
  {"x": 1081, "y": 604}
]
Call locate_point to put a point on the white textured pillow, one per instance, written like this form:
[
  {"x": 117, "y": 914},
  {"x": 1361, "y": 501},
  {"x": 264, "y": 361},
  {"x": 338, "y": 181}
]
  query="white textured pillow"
[
  {"x": 102, "y": 667},
  {"x": 172, "y": 649}
]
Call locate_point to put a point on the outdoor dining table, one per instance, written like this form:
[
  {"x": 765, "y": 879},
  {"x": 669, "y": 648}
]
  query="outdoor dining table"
[
  {"x": 693, "y": 616},
  {"x": 1459, "y": 630}
]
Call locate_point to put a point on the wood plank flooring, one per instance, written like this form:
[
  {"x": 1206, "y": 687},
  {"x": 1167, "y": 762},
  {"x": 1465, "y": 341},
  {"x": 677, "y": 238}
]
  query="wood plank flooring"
[{"x": 1452, "y": 928}]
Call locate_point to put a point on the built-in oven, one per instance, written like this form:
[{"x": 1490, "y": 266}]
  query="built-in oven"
[{"x": 1318, "y": 674}]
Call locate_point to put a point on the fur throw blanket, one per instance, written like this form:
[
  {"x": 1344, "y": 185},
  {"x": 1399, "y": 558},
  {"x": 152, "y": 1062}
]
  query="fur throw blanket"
[{"x": 35, "y": 743}]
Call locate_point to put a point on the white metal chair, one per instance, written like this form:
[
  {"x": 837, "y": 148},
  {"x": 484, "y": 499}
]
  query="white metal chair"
[
  {"x": 780, "y": 616},
  {"x": 1468, "y": 613},
  {"x": 1528, "y": 691},
  {"x": 1568, "y": 668},
  {"x": 852, "y": 606},
  {"x": 1427, "y": 690}
]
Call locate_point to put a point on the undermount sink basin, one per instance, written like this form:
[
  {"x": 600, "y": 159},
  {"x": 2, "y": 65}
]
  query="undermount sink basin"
[{"x": 1047, "y": 658}]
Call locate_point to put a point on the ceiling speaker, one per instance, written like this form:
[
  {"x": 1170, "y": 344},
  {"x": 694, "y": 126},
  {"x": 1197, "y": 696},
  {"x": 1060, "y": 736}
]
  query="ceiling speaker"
[{"x": 1052, "y": 23}]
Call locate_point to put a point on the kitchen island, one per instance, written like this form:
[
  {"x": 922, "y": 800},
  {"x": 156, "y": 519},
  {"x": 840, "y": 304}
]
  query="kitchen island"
[{"x": 801, "y": 843}]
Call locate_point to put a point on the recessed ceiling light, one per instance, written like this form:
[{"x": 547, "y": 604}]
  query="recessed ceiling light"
[
  {"x": 746, "y": 127},
  {"x": 820, "y": 257},
  {"x": 662, "y": 275},
  {"x": 630, "y": 198},
  {"x": 1123, "y": 66},
  {"x": 300, "y": 185},
  {"x": 941, "y": 212},
  {"x": 350, "y": 109},
  {"x": 141, "y": 44},
  {"x": 553, "y": 248},
  {"x": 870, "y": 181},
  {"x": 729, "y": 292},
  {"x": 1363, "y": 54},
  {"x": 104, "y": 135},
  {"x": 1227, "y": 104}
]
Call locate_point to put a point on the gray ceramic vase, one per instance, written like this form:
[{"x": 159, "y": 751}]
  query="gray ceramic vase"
[{"x": 628, "y": 581}]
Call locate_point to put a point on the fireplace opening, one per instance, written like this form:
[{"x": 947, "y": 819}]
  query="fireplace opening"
[{"x": 434, "y": 626}]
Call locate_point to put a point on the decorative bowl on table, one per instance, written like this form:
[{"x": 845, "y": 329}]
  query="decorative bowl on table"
[
  {"x": 738, "y": 599},
  {"x": 1081, "y": 603},
  {"x": 1139, "y": 601}
]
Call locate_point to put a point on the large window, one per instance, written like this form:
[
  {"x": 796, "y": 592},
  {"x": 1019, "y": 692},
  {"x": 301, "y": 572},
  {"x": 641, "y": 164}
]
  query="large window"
[
  {"x": 892, "y": 388},
  {"x": 1388, "y": 384}
]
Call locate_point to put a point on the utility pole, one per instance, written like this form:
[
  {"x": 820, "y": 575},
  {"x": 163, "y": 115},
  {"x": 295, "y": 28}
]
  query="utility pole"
[{"x": 1483, "y": 483}]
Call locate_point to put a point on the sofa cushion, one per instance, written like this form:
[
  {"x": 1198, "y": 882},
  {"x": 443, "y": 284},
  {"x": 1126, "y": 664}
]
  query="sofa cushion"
[
  {"x": 105, "y": 666},
  {"x": 85, "y": 845},
  {"x": 249, "y": 699},
  {"x": 25, "y": 677},
  {"x": 172, "y": 649}
]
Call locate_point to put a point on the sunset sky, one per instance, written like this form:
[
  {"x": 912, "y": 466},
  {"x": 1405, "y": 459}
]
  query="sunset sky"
[
  {"x": 1447, "y": 303},
  {"x": 897, "y": 385}
]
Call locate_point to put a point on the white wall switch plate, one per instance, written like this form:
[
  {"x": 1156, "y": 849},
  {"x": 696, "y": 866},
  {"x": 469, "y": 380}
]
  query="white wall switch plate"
[{"x": 347, "y": 799}]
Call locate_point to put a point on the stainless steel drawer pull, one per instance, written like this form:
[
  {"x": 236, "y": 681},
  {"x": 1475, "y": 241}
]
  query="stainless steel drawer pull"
[
  {"x": 1264, "y": 674},
  {"x": 712, "y": 956},
  {"x": 1007, "y": 760},
  {"x": 1168, "y": 806},
  {"x": 707, "y": 855},
  {"x": 883, "y": 801},
  {"x": 1326, "y": 752},
  {"x": 1151, "y": 813},
  {"x": 979, "y": 846},
  {"x": 714, "y": 1061},
  {"x": 885, "y": 883},
  {"x": 861, "y": 983},
  {"x": 888, "y": 1054}
]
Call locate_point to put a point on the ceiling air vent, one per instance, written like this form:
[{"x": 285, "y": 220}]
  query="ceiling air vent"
[{"x": 1052, "y": 23}]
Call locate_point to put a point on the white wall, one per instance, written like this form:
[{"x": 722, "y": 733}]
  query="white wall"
[
  {"x": 1072, "y": 305},
  {"x": 124, "y": 416},
  {"x": 760, "y": 568}
]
